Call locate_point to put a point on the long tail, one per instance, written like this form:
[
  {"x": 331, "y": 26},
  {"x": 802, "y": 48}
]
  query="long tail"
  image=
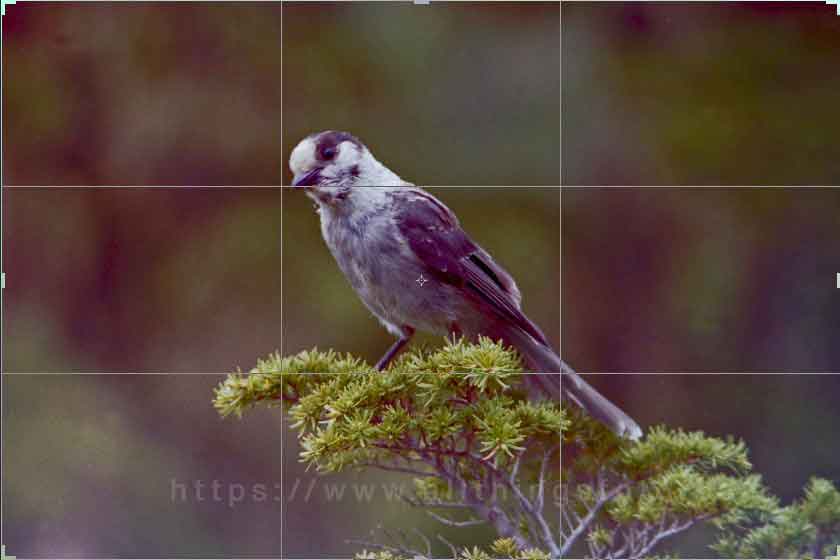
[{"x": 541, "y": 358}]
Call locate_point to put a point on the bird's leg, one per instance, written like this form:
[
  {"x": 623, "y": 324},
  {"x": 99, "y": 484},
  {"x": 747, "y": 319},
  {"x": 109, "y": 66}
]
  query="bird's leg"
[
  {"x": 392, "y": 352},
  {"x": 455, "y": 332}
]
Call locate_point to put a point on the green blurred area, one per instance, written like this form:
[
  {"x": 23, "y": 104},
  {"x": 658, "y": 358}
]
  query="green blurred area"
[
  {"x": 700, "y": 93},
  {"x": 464, "y": 93}
]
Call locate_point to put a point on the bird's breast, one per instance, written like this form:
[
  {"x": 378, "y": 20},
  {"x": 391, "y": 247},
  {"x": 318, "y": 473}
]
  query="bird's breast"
[
  {"x": 368, "y": 250},
  {"x": 386, "y": 274}
]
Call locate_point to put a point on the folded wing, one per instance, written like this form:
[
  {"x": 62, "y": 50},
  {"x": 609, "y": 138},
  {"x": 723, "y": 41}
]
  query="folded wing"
[{"x": 436, "y": 237}]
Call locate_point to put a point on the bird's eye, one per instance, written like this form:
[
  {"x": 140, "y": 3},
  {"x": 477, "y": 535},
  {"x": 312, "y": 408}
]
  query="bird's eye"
[{"x": 329, "y": 152}]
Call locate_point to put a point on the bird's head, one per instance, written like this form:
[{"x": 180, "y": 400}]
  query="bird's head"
[{"x": 330, "y": 164}]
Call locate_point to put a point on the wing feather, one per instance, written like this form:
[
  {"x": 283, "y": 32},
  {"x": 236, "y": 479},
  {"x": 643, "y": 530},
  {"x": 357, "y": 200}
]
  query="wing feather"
[{"x": 436, "y": 237}]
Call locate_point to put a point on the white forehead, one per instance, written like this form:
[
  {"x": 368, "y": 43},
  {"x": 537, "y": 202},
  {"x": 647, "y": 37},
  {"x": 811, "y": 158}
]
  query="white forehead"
[{"x": 303, "y": 156}]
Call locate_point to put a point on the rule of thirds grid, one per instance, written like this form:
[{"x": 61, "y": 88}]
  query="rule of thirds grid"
[{"x": 287, "y": 322}]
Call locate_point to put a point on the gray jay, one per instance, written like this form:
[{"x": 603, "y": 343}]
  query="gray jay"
[{"x": 407, "y": 257}]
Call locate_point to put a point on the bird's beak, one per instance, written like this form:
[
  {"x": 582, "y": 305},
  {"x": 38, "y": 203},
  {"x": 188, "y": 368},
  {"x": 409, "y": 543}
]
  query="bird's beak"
[{"x": 307, "y": 179}]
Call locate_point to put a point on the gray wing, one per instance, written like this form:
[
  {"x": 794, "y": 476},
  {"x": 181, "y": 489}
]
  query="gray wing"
[{"x": 436, "y": 237}]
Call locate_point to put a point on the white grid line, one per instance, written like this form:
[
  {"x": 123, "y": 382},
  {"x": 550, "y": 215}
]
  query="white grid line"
[
  {"x": 282, "y": 322},
  {"x": 580, "y": 372},
  {"x": 282, "y": 332},
  {"x": 561, "y": 186},
  {"x": 560, "y": 268}
]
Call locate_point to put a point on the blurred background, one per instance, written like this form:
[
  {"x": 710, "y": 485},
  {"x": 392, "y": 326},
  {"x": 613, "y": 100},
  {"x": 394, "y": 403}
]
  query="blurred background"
[
  {"x": 456, "y": 93},
  {"x": 701, "y": 279},
  {"x": 188, "y": 280},
  {"x": 700, "y": 93},
  {"x": 188, "y": 93}
]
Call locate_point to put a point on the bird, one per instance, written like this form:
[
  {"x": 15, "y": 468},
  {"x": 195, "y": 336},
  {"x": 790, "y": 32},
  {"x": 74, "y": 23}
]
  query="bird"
[{"x": 406, "y": 255}]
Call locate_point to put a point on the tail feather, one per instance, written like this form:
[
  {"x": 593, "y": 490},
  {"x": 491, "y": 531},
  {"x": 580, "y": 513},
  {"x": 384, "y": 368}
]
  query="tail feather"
[{"x": 559, "y": 377}]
